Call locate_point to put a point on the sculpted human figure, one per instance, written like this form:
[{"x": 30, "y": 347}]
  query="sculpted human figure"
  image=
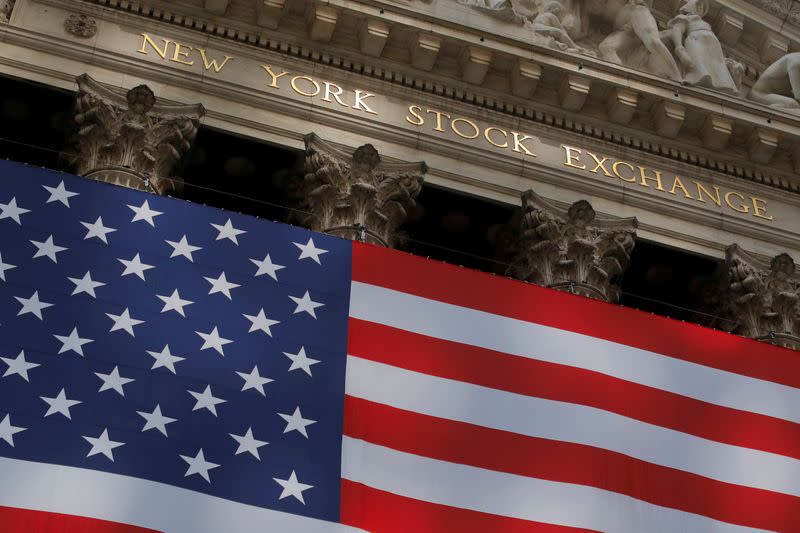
[
  {"x": 779, "y": 84},
  {"x": 548, "y": 24},
  {"x": 698, "y": 49}
]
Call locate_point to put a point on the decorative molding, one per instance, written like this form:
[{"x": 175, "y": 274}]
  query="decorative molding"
[{"x": 81, "y": 25}]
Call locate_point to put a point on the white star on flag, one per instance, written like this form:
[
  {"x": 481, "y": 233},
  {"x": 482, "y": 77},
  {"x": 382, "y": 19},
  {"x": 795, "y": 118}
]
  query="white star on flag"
[
  {"x": 260, "y": 322},
  {"x": 124, "y": 321},
  {"x": 165, "y": 358},
  {"x": 47, "y": 249},
  {"x": 59, "y": 194},
  {"x": 296, "y": 422},
  {"x": 310, "y": 251},
  {"x": 266, "y": 266},
  {"x": 7, "y": 431},
  {"x": 156, "y": 420},
  {"x": 213, "y": 340},
  {"x": 174, "y": 303},
  {"x": 198, "y": 465},
  {"x": 13, "y": 211},
  {"x": 113, "y": 381},
  {"x": 18, "y": 366},
  {"x": 143, "y": 212},
  {"x": 254, "y": 380},
  {"x": 292, "y": 487},
  {"x": 221, "y": 284},
  {"x": 60, "y": 404},
  {"x": 97, "y": 229},
  {"x": 301, "y": 361},
  {"x": 227, "y": 231},
  {"x": 206, "y": 400},
  {"x": 134, "y": 266},
  {"x": 4, "y": 267},
  {"x": 32, "y": 305},
  {"x": 306, "y": 304},
  {"x": 72, "y": 342},
  {"x": 182, "y": 247},
  {"x": 85, "y": 284},
  {"x": 247, "y": 443},
  {"x": 103, "y": 445}
]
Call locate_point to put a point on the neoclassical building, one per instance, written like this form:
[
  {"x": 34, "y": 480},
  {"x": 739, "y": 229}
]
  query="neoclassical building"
[{"x": 646, "y": 153}]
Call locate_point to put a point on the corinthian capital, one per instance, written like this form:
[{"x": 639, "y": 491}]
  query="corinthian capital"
[
  {"x": 573, "y": 248},
  {"x": 357, "y": 195},
  {"x": 129, "y": 138},
  {"x": 764, "y": 297}
]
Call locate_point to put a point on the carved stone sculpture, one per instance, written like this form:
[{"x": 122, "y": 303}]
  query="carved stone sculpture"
[
  {"x": 82, "y": 26},
  {"x": 573, "y": 249},
  {"x": 779, "y": 84},
  {"x": 547, "y": 25},
  {"x": 357, "y": 195},
  {"x": 698, "y": 49},
  {"x": 130, "y": 139},
  {"x": 6, "y": 7},
  {"x": 764, "y": 297}
]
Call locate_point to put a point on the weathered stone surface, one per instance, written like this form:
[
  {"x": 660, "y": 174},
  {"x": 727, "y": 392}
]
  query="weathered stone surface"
[
  {"x": 6, "y": 6},
  {"x": 764, "y": 297},
  {"x": 130, "y": 139},
  {"x": 573, "y": 249},
  {"x": 357, "y": 195}
]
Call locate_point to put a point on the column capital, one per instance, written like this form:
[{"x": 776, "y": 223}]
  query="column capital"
[
  {"x": 764, "y": 296},
  {"x": 573, "y": 248},
  {"x": 130, "y": 138},
  {"x": 356, "y": 194}
]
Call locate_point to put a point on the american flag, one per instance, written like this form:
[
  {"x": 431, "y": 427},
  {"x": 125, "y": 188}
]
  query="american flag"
[{"x": 172, "y": 367}]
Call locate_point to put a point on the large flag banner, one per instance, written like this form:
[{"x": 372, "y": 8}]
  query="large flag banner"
[{"x": 166, "y": 366}]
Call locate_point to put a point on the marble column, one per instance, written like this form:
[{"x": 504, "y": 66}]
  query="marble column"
[
  {"x": 357, "y": 195},
  {"x": 764, "y": 297},
  {"x": 573, "y": 248},
  {"x": 129, "y": 138}
]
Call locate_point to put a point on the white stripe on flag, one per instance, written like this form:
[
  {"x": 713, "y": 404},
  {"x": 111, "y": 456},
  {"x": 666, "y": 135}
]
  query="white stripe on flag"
[
  {"x": 138, "y": 502},
  {"x": 537, "y": 417},
  {"x": 544, "y": 343},
  {"x": 468, "y": 487}
]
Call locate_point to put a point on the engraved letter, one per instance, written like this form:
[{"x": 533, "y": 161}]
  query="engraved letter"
[
  {"x": 623, "y": 164},
  {"x": 487, "y": 134},
  {"x": 701, "y": 190},
  {"x": 147, "y": 40},
  {"x": 335, "y": 93},
  {"x": 471, "y": 124},
  {"x": 760, "y": 208},
  {"x": 678, "y": 184},
  {"x": 360, "y": 97},
  {"x": 274, "y": 82},
  {"x": 414, "y": 111},
  {"x": 740, "y": 207},
  {"x": 570, "y": 157},
  {"x": 656, "y": 178},
  {"x": 439, "y": 115},
  {"x": 213, "y": 63},
  {"x": 182, "y": 54},
  {"x": 518, "y": 140},
  {"x": 600, "y": 164}
]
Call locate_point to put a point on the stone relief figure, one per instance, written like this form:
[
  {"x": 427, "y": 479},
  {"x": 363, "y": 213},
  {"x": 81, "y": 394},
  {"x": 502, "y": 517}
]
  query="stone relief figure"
[
  {"x": 779, "y": 84},
  {"x": 698, "y": 50},
  {"x": 547, "y": 25},
  {"x": 6, "y": 6}
]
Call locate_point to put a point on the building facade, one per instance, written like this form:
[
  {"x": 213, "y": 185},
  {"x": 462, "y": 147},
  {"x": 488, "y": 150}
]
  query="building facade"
[{"x": 607, "y": 124}]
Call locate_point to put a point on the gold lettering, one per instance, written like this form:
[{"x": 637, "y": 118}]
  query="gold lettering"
[
  {"x": 760, "y": 210},
  {"x": 181, "y": 54},
  {"x": 465, "y": 121},
  {"x": 414, "y": 111},
  {"x": 623, "y": 164},
  {"x": 360, "y": 96},
  {"x": 740, "y": 207},
  {"x": 701, "y": 189},
  {"x": 678, "y": 184},
  {"x": 656, "y": 178},
  {"x": 570, "y": 157},
  {"x": 487, "y": 134},
  {"x": 213, "y": 63},
  {"x": 518, "y": 146},
  {"x": 439, "y": 115},
  {"x": 309, "y": 80},
  {"x": 274, "y": 82},
  {"x": 147, "y": 40},
  {"x": 600, "y": 164},
  {"x": 328, "y": 93}
]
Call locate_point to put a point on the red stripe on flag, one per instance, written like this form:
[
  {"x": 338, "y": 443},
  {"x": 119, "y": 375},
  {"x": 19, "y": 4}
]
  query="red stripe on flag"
[
  {"x": 502, "y": 451},
  {"x": 19, "y": 520},
  {"x": 459, "y": 286},
  {"x": 488, "y": 368},
  {"x": 383, "y": 512}
]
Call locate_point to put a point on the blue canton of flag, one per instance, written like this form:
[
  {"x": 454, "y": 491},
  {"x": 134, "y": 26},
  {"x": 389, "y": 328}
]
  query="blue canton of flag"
[{"x": 150, "y": 337}]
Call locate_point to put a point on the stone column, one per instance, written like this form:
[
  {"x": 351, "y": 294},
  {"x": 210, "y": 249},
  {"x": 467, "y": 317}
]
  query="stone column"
[
  {"x": 357, "y": 195},
  {"x": 128, "y": 138},
  {"x": 764, "y": 297},
  {"x": 573, "y": 249}
]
